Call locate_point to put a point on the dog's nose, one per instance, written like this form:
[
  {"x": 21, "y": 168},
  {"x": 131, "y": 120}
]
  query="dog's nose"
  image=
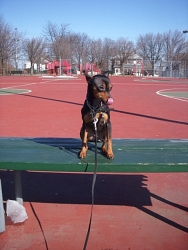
[{"x": 109, "y": 95}]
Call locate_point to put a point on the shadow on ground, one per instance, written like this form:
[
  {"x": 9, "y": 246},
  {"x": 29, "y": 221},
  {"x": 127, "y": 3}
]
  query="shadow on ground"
[
  {"x": 129, "y": 190},
  {"x": 70, "y": 188}
]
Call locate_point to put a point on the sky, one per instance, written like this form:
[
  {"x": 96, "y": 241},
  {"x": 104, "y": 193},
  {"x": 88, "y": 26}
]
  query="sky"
[{"x": 97, "y": 18}]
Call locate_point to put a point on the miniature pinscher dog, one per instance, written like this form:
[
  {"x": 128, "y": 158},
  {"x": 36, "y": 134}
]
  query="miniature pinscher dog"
[{"x": 96, "y": 115}]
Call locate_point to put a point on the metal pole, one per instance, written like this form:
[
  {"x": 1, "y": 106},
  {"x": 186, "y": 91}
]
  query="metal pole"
[
  {"x": 170, "y": 68},
  {"x": 16, "y": 40},
  {"x": 185, "y": 71},
  {"x": 60, "y": 65},
  {"x": 186, "y": 51},
  {"x": 18, "y": 186},
  {"x": 2, "y": 213},
  {"x": 154, "y": 68}
]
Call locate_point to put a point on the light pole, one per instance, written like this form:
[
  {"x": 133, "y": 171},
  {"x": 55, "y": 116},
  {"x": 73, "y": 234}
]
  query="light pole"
[
  {"x": 16, "y": 40},
  {"x": 186, "y": 51}
]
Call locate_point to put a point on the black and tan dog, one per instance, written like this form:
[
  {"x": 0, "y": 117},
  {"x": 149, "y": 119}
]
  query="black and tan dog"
[{"x": 96, "y": 114}]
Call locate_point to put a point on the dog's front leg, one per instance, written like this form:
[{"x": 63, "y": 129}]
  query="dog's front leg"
[
  {"x": 110, "y": 154},
  {"x": 108, "y": 151},
  {"x": 84, "y": 144}
]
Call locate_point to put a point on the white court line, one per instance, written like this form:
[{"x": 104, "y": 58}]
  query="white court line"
[
  {"x": 172, "y": 97},
  {"x": 19, "y": 86},
  {"x": 65, "y": 77},
  {"x": 27, "y": 84},
  {"x": 34, "y": 83}
]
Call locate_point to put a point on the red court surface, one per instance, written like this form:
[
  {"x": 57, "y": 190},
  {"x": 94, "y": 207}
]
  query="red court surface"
[{"x": 52, "y": 109}]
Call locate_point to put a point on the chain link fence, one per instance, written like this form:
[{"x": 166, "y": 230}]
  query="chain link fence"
[{"x": 178, "y": 69}]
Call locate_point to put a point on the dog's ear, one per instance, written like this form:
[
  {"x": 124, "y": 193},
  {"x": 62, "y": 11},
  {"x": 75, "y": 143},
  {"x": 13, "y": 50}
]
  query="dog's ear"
[
  {"x": 106, "y": 73},
  {"x": 88, "y": 78}
]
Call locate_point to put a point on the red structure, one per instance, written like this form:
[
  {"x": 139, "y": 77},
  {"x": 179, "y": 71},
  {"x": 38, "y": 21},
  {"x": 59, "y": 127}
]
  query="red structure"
[
  {"x": 53, "y": 68},
  {"x": 92, "y": 67}
]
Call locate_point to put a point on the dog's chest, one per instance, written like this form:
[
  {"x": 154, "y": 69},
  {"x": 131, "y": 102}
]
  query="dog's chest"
[
  {"x": 101, "y": 125},
  {"x": 102, "y": 119}
]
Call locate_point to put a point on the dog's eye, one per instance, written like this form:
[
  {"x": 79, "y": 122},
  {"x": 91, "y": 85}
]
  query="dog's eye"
[{"x": 101, "y": 88}]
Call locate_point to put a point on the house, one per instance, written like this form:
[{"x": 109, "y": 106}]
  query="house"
[{"x": 134, "y": 65}]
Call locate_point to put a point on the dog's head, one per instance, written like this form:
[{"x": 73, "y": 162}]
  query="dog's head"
[{"x": 99, "y": 87}]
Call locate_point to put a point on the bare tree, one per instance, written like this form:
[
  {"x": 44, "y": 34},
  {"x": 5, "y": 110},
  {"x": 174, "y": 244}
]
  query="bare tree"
[
  {"x": 174, "y": 47},
  {"x": 109, "y": 47},
  {"x": 96, "y": 52},
  {"x": 34, "y": 50},
  {"x": 151, "y": 47},
  {"x": 101, "y": 51},
  {"x": 9, "y": 46},
  {"x": 91, "y": 50},
  {"x": 58, "y": 40},
  {"x": 124, "y": 50},
  {"x": 85, "y": 50},
  {"x": 79, "y": 45}
]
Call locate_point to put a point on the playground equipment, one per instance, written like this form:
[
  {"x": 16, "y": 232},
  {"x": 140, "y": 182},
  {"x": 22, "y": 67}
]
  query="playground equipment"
[{"x": 58, "y": 67}]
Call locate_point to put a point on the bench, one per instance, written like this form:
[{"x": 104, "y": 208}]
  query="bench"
[
  {"x": 61, "y": 155},
  {"x": 16, "y": 72}
]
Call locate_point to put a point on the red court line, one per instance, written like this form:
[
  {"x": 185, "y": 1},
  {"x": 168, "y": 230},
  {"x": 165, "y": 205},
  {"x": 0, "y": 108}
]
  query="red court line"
[{"x": 53, "y": 107}]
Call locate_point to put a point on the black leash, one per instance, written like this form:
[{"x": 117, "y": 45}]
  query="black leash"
[
  {"x": 95, "y": 120},
  {"x": 45, "y": 241}
]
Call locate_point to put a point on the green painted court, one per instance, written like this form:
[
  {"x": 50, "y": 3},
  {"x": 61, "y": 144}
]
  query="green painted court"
[
  {"x": 12, "y": 91},
  {"x": 56, "y": 154}
]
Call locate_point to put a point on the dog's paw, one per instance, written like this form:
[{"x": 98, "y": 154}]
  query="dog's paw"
[
  {"x": 82, "y": 154},
  {"x": 110, "y": 155}
]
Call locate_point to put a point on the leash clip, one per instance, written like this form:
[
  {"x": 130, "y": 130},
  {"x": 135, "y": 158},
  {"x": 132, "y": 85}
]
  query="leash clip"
[{"x": 95, "y": 120}]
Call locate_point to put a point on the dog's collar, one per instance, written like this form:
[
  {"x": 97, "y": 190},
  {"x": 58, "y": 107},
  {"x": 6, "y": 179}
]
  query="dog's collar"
[{"x": 93, "y": 109}]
